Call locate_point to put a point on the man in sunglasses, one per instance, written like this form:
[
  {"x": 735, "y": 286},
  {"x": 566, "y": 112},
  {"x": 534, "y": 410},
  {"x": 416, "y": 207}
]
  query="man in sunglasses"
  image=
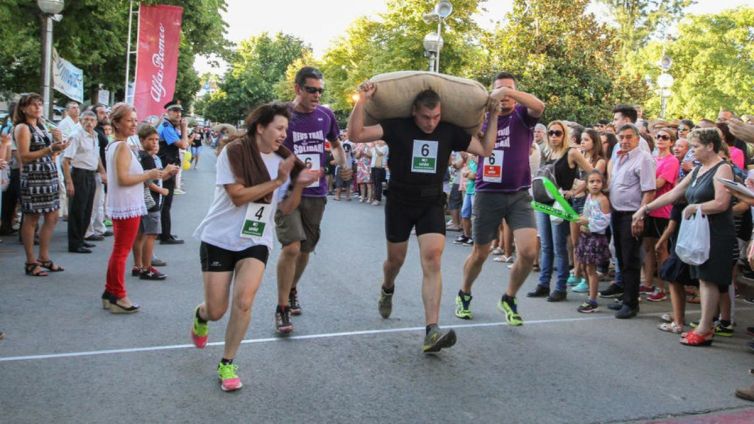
[
  {"x": 310, "y": 126},
  {"x": 502, "y": 185},
  {"x": 420, "y": 148}
]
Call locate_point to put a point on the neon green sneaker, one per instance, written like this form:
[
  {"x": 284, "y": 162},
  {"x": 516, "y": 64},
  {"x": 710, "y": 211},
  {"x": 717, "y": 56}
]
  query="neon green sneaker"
[
  {"x": 229, "y": 380},
  {"x": 437, "y": 339},
  {"x": 199, "y": 331},
  {"x": 509, "y": 308},
  {"x": 463, "y": 301}
]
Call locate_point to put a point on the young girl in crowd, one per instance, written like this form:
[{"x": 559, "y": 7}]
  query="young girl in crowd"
[
  {"x": 363, "y": 157},
  {"x": 236, "y": 235},
  {"x": 592, "y": 248}
]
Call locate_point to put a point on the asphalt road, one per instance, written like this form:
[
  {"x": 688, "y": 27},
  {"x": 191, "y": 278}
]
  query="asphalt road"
[{"x": 66, "y": 360}]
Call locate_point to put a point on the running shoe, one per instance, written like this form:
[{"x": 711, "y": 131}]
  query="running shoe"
[
  {"x": 293, "y": 302},
  {"x": 229, "y": 380},
  {"x": 385, "y": 304},
  {"x": 588, "y": 307},
  {"x": 462, "y": 239},
  {"x": 612, "y": 291},
  {"x": 437, "y": 339},
  {"x": 468, "y": 242},
  {"x": 557, "y": 296},
  {"x": 135, "y": 271},
  {"x": 582, "y": 287},
  {"x": 646, "y": 290},
  {"x": 723, "y": 330},
  {"x": 107, "y": 223},
  {"x": 283, "y": 323},
  {"x": 572, "y": 280},
  {"x": 463, "y": 301},
  {"x": 152, "y": 274},
  {"x": 510, "y": 309},
  {"x": 199, "y": 331},
  {"x": 497, "y": 251},
  {"x": 657, "y": 296}
]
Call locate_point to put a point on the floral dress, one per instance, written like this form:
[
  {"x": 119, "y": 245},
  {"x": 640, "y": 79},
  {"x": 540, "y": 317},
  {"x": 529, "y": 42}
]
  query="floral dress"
[
  {"x": 363, "y": 172},
  {"x": 593, "y": 247}
]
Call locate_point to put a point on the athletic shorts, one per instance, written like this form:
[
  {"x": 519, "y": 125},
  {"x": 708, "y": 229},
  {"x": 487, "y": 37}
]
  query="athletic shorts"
[
  {"x": 302, "y": 224},
  {"x": 491, "y": 208},
  {"x": 654, "y": 227},
  {"x": 401, "y": 218},
  {"x": 217, "y": 259},
  {"x": 150, "y": 223},
  {"x": 468, "y": 201},
  {"x": 455, "y": 200}
]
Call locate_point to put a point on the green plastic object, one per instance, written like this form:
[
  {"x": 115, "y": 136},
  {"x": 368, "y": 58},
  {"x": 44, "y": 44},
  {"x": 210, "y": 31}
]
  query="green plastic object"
[{"x": 567, "y": 213}]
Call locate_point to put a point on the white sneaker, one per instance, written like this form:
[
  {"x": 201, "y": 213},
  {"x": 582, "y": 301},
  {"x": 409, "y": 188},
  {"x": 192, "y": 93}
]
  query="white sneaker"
[{"x": 179, "y": 191}]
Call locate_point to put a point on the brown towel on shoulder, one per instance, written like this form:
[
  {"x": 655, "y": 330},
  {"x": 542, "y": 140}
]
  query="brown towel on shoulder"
[{"x": 249, "y": 168}]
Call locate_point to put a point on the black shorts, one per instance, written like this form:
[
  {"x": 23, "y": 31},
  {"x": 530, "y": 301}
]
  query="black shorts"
[
  {"x": 217, "y": 259},
  {"x": 401, "y": 217},
  {"x": 654, "y": 227}
]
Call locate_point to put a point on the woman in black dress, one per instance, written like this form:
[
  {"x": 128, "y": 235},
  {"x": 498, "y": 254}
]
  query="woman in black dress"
[{"x": 703, "y": 192}]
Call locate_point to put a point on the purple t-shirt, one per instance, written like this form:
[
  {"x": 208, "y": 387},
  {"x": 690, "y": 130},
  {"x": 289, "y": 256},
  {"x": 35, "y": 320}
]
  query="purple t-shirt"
[
  {"x": 307, "y": 133},
  {"x": 507, "y": 169}
]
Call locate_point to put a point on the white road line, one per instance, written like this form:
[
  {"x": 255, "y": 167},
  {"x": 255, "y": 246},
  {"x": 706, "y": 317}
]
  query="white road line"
[{"x": 307, "y": 337}]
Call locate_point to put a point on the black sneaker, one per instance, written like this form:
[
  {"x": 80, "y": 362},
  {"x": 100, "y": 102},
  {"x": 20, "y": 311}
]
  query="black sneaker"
[
  {"x": 283, "y": 320},
  {"x": 627, "y": 312},
  {"x": 540, "y": 291},
  {"x": 438, "y": 339},
  {"x": 557, "y": 296},
  {"x": 612, "y": 292},
  {"x": 293, "y": 302},
  {"x": 462, "y": 239},
  {"x": 617, "y": 306}
]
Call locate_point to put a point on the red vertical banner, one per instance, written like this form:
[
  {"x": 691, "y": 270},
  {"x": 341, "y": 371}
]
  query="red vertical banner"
[{"x": 156, "y": 58}]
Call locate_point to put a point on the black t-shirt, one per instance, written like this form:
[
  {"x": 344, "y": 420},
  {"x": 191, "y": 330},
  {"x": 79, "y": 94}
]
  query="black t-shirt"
[
  {"x": 417, "y": 158},
  {"x": 147, "y": 162},
  {"x": 196, "y": 139}
]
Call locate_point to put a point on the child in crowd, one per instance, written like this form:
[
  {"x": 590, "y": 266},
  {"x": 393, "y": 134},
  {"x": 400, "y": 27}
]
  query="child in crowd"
[
  {"x": 592, "y": 248},
  {"x": 150, "y": 227},
  {"x": 468, "y": 174}
]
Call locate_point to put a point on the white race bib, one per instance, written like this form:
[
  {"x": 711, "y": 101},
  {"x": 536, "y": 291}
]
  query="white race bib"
[
  {"x": 492, "y": 167},
  {"x": 424, "y": 159},
  {"x": 256, "y": 220},
  {"x": 311, "y": 160}
]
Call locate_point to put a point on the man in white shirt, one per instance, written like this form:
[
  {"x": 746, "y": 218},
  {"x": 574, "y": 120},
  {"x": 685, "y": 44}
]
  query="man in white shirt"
[
  {"x": 81, "y": 162},
  {"x": 70, "y": 124}
]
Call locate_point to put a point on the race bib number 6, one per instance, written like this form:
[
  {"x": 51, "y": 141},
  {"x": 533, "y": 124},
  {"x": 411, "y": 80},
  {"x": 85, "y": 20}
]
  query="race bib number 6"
[
  {"x": 424, "y": 159},
  {"x": 256, "y": 219},
  {"x": 311, "y": 160},
  {"x": 492, "y": 169}
]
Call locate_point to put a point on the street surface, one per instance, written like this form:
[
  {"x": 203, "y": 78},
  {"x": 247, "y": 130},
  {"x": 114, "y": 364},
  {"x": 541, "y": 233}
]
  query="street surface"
[{"x": 66, "y": 360}]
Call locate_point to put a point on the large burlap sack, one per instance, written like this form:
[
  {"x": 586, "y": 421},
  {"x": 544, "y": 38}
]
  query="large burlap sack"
[{"x": 464, "y": 101}]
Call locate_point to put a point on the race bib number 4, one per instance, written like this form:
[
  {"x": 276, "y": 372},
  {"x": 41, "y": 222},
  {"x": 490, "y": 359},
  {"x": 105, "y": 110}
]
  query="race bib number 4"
[
  {"x": 256, "y": 219},
  {"x": 492, "y": 169},
  {"x": 424, "y": 159},
  {"x": 311, "y": 160}
]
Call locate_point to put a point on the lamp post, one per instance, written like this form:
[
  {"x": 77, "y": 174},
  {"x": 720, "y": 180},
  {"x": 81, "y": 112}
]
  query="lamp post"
[
  {"x": 49, "y": 9},
  {"x": 433, "y": 42},
  {"x": 665, "y": 83}
]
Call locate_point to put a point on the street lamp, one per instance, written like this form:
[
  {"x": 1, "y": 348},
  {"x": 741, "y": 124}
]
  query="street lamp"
[
  {"x": 433, "y": 42},
  {"x": 49, "y": 9},
  {"x": 665, "y": 83}
]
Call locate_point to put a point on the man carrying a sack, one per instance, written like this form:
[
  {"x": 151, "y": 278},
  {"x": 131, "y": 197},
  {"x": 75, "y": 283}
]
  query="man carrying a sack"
[{"x": 420, "y": 148}]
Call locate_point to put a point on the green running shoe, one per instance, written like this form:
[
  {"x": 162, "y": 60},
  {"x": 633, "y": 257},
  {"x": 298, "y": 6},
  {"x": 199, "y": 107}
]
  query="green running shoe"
[
  {"x": 437, "y": 339},
  {"x": 229, "y": 380},
  {"x": 509, "y": 308},
  {"x": 385, "y": 304},
  {"x": 463, "y": 301},
  {"x": 199, "y": 331}
]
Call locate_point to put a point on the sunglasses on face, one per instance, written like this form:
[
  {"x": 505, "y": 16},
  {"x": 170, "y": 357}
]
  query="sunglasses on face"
[
  {"x": 683, "y": 129},
  {"x": 555, "y": 133},
  {"x": 312, "y": 90},
  {"x": 663, "y": 137}
]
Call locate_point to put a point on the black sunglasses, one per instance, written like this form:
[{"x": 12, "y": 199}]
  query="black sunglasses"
[
  {"x": 555, "y": 133},
  {"x": 312, "y": 90},
  {"x": 663, "y": 137}
]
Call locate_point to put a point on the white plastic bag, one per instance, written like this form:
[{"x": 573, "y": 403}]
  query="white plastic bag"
[
  {"x": 693, "y": 239},
  {"x": 556, "y": 219}
]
